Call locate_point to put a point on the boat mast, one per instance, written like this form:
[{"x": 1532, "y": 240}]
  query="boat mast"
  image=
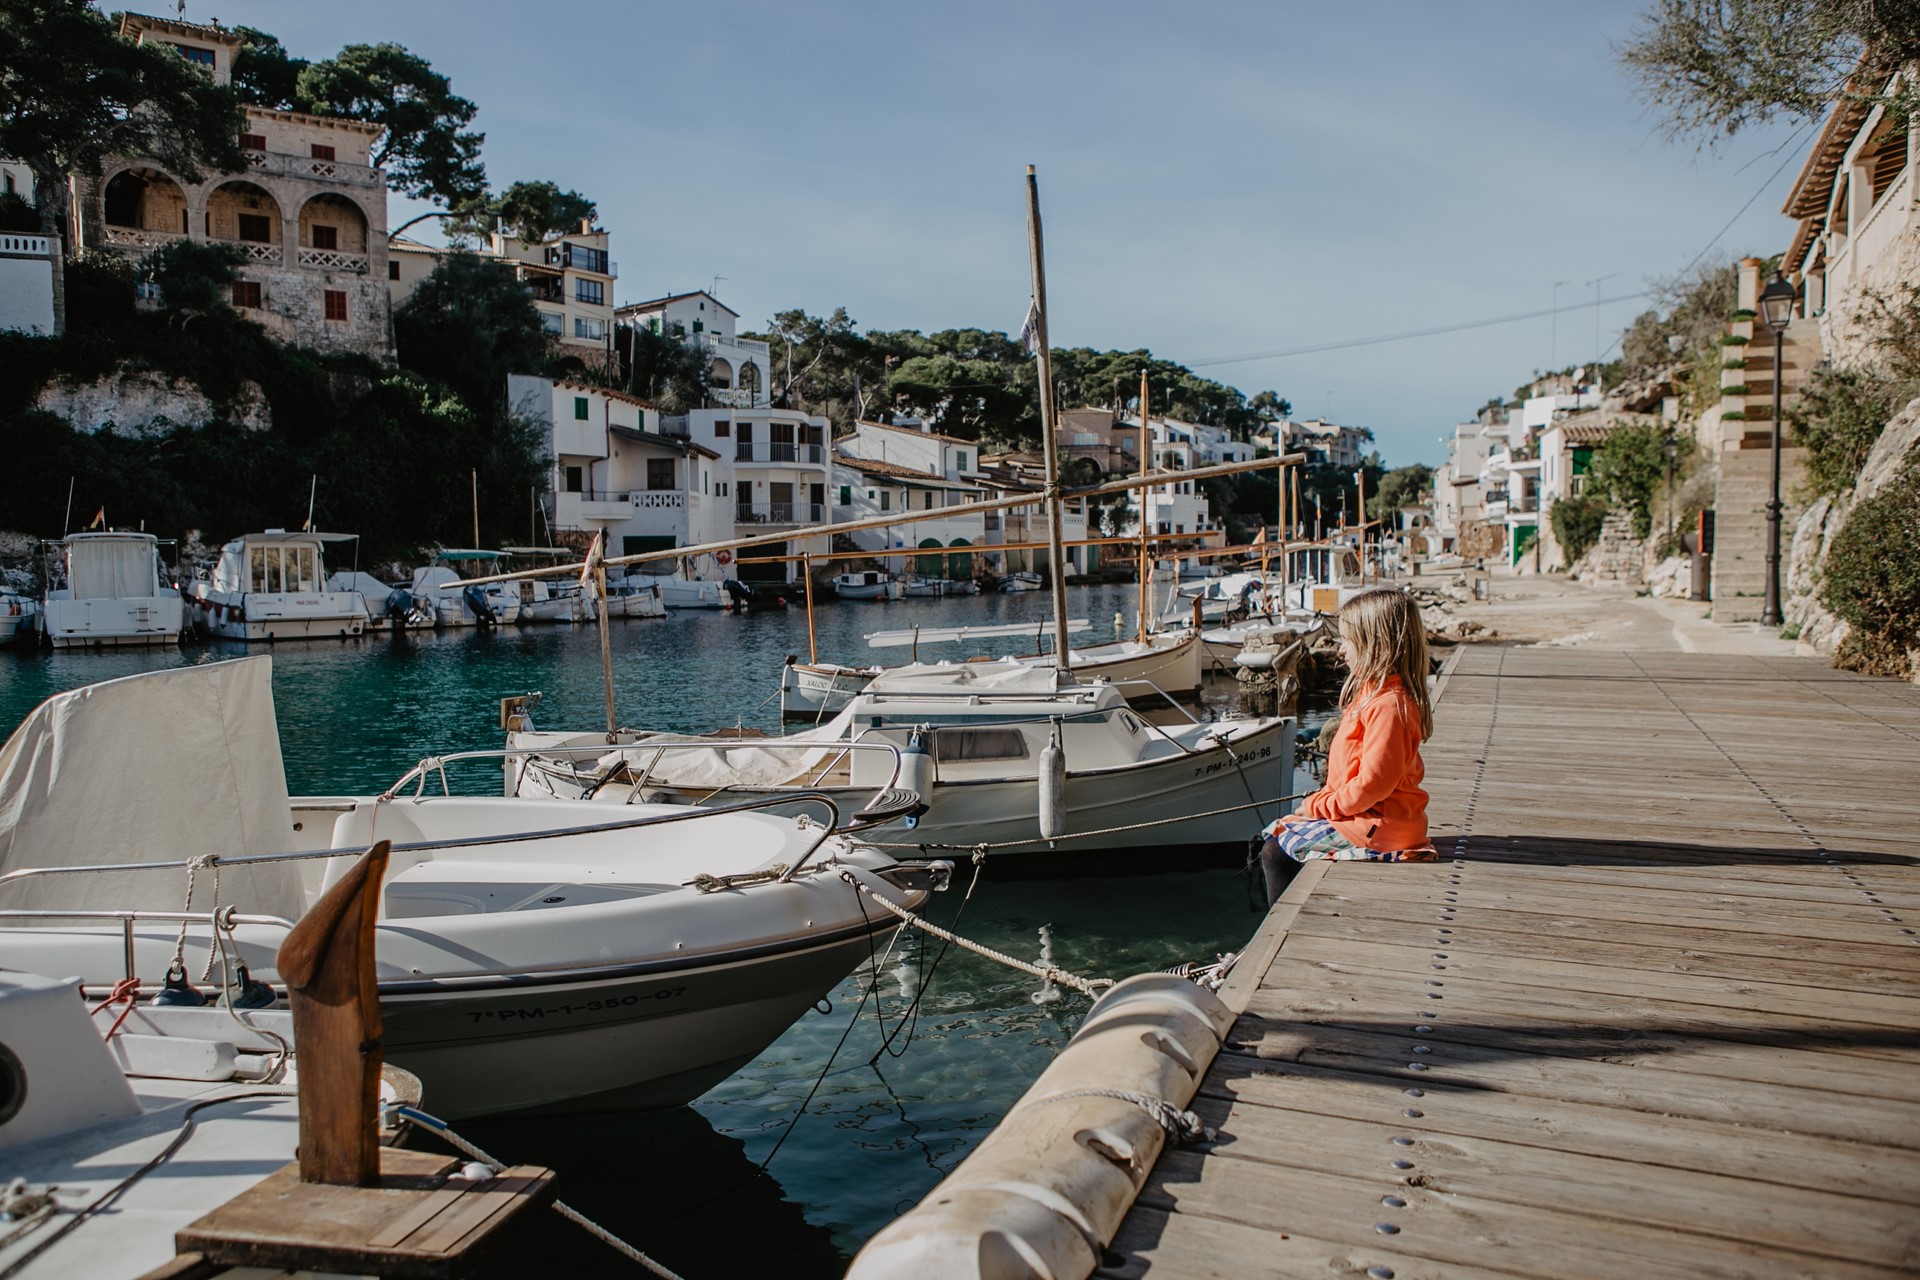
[
  {"x": 1280, "y": 484},
  {"x": 806, "y": 573},
  {"x": 1146, "y": 562},
  {"x": 597, "y": 561},
  {"x": 1036, "y": 252}
]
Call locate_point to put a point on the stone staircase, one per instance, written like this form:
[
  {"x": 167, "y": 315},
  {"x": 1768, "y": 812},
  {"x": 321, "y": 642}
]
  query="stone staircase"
[{"x": 1740, "y": 528}]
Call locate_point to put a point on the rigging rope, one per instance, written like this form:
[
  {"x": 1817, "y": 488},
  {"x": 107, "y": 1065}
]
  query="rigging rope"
[
  {"x": 560, "y": 1207},
  {"x": 1046, "y": 973},
  {"x": 927, "y": 846}
]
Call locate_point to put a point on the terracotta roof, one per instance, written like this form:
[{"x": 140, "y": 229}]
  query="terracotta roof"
[
  {"x": 608, "y": 392},
  {"x": 875, "y": 467},
  {"x": 677, "y": 443},
  {"x": 332, "y": 122},
  {"x": 130, "y": 22},
  {"x": 1586, "y": 432},
  {"x": 652, "y": 303},
  {"x": 914, "y": 431}
]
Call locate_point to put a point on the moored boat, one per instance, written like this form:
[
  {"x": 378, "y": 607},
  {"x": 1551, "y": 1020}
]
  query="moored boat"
[
  {"x": 1022, "y": 581},
  {"x": 19, "y": 618},
  {"x": 868, "y": 584},
  {"x": 273, "y": 586},
  {"x": 116, "y": 594}
]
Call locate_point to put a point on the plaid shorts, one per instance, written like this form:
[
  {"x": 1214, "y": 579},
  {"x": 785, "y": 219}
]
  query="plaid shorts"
[{"x": 1311, "y": 839}]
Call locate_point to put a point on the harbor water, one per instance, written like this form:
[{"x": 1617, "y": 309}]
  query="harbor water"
[{"x": 871, "y": 1098}]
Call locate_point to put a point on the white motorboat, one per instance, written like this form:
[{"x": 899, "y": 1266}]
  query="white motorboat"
[
  {"x": 680, "y": 592},
  {"x": 273, "y": 586},
  {"x": 868, "y": 584},
  {"x": 117, "y": 593},
  {"x": 1022, "y": 581},
  {"x": 542, "y": 598},
  {"x": 634, "y": 598},
  {"x": 972, "y": 739},
  {"x": 458, "y": 603},
  {"x": 19, "y": 618},
  {"x": 940, "y": 588},
  {"x": 530, "y": 954},
  {"x": 816, "y": 690}
]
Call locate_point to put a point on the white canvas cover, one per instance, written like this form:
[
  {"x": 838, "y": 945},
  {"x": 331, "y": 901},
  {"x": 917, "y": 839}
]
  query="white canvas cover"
[
  {"x": 111, "y": 568},
  {"x": 772, "y": 762},
  {"x": 150, "y": 768},
  {"x": 1006, "y": 676}
]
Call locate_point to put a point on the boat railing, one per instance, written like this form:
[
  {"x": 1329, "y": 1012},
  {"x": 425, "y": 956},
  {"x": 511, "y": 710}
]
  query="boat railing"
[
  {"x": 204, "y": 861},
  {"x": 228, "y": 918}
]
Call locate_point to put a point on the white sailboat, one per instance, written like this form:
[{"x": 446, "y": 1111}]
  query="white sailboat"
[
  {"x": 814, "y": 690},
  {"x": 530, "y": 954},
  {"x": 116, "y": 594},
  {"x": 868, "y": 584},
  {"x": 273, "y": 586}
]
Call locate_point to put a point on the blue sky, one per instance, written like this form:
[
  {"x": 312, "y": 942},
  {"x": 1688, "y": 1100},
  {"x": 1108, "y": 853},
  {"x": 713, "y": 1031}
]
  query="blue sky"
[{"x": 1217, "y": 179}]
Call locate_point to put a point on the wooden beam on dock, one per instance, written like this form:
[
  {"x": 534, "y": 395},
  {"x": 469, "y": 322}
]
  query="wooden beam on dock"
[{"x": 1655, "y": 1012}]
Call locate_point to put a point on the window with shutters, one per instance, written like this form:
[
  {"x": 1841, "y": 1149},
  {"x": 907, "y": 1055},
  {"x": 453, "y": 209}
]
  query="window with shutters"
[
  {"x": 246, "y": 294},
  {"x": 336, "y": 304}
]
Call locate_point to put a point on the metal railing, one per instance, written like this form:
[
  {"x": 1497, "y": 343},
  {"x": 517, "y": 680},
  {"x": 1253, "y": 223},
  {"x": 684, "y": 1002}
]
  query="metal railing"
[{"x": 780, "y": 513}]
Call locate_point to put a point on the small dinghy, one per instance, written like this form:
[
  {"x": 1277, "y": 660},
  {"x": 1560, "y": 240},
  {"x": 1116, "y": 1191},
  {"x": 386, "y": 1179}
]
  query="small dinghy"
[{"x": 530, "y": 954}]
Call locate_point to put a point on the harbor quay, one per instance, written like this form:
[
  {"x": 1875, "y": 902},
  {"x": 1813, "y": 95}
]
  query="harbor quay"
[{"x": 1655, "y": 1011}]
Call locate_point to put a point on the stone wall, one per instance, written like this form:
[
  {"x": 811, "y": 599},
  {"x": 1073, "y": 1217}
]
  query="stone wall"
[
  {"x": 1618, "y": 556},
  {"x": 1820, "y": 523},
  {"x": 143, "y": 403}
]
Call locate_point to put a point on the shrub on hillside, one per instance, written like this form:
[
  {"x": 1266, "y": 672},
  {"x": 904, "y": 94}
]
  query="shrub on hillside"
[
  {"x": 1839, "y": 416},
  {"x": 1576, "y": 524},
  {"x": 1872, "y": 577}
]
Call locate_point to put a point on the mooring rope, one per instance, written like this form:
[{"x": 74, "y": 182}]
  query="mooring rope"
[
  {"x": 1183, "y": 1127},
  {"x": 989, "y": 846},
  {"x": 560, "y": 1207},
  {"x": 1046, "y": 973}
]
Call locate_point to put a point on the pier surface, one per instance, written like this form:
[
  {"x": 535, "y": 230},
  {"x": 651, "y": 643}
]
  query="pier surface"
[{"x": 1655, "y": 1012}]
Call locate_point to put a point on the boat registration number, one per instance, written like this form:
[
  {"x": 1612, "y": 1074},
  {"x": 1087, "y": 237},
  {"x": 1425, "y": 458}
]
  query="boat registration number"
[
  {"x": 570, "y": 1009},
  {"x": 1202, "y": 770}
]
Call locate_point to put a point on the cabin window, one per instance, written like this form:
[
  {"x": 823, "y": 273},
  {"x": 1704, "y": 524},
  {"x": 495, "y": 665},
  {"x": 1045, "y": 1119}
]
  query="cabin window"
[{"x": 953, "y": 745}]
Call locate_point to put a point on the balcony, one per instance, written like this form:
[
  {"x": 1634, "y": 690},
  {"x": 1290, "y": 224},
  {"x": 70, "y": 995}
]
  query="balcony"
[
  {"x": 25, "y": 246},
  {"x": 762, "y": 451},
  {"x": 779, "y": 513},
  {"x": 264, "y": 252},
  {"x": 731, "y": 398},
  {"x": 135, "y": 238},
  {"x": 308, "y": 167},
  {"x": 333, "y": 260}
]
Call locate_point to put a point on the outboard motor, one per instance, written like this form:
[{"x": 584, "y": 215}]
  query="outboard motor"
[
  {"x": 476, "y": 598},
  {"x": 739, "y": 592}
]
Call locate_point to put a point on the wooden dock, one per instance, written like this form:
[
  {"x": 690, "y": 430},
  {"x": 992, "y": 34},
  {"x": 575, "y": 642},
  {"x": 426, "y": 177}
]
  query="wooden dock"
[{"x": 1655, "y": 1012}]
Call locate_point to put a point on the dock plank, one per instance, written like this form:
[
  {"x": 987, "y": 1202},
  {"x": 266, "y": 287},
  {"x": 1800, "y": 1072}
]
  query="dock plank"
[{"x": 1669, "y": 971}]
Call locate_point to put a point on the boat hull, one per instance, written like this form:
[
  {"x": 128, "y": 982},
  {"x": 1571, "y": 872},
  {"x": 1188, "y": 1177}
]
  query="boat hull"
[
  {"x": 90, "y": 624},
  {"x": 270, "y": 618},
  {"x": 814, "y": 692}
]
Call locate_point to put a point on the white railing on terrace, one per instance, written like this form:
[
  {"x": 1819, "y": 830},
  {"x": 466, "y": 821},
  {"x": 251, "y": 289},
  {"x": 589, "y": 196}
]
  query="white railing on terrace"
[
  {"x": 779, "y": 513},
  {"x": 19, "y": 246},
  {"x": 333, "y": 260},
  {"x": 1880, "y": 229},
  {"x": 138, "y": 238},
  {"x": 733, "y": 397},
  {"x": 254, "y": 251},
  {"x": 308, "y": 167},
  {"x": 782, "y": 452}
]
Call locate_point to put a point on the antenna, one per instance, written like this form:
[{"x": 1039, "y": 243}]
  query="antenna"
[{"x": 714, "y": 292}]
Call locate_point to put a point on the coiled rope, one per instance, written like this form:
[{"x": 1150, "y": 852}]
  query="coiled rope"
[
  {"x": 1046, "y": 973},
  {"x": 560, "y": 1207},
  {"x": 1183, "y": 1127}
]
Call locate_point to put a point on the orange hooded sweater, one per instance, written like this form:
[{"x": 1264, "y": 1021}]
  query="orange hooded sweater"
[{"x": 1372, "y": 794}]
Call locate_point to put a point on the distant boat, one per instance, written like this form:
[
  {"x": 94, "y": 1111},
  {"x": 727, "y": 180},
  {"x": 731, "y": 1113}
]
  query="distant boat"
[
  {"x": 936, "y": 588},
  {"x": 116, "y": 594},
  {"x": 867, "y": 585},
  {"x": 475, "y": 604},
  {"x": 677, "y": 592},
  {"x": 273, "y": 586},
  {"x": 19, "y": 618},
  {"x": 1022, "y": 581}
]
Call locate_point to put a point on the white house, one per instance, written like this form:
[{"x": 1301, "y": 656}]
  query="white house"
[
  {"x": 1328, "y": 442},
  {"x": 739, "y": 372},
  {"x": 924, "y": 451},
  {"x": 947, "y": 545},
  {"x": 1178, "y": 507},
  {"x": 570, "y": 276},
  {"x": 1457, "y": 494},
  {"x": 614, "y": 471},
  {"x": 780, "y": 469}
]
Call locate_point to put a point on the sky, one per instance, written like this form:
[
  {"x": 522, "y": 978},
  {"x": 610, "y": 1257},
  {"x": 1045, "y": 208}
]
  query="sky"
[{"x": 1217, "y": 179}]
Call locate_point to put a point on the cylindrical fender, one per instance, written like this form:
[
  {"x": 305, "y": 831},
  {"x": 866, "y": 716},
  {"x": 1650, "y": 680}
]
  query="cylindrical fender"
[
  {"x": 1053, "y": 787},
  {"x": 916, "y": 767}
]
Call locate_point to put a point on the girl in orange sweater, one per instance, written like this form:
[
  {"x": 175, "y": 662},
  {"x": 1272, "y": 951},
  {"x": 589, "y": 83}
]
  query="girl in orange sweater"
[{"x": 1371, "y": 806}]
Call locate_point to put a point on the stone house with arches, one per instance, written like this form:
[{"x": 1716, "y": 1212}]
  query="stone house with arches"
[{"x": 308, "y": 215}]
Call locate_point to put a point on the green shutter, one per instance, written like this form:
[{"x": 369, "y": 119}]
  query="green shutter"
[{"x": 580, "y": 408}]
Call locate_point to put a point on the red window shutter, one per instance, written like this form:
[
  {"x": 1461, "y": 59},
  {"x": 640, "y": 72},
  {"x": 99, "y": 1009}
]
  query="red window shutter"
[{"x": 336, "y": 304}]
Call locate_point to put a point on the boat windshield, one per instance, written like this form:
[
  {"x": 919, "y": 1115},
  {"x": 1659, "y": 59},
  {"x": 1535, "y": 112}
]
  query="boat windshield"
[{"x": 279, "y": 568}]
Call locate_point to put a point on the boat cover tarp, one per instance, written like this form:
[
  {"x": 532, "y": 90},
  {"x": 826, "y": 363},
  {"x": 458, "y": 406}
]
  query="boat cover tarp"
[
  {"x": 1005, "y": 676},
  {"x": 694, "y": 761},
  {"x": 111, "y": 568},
  {"x": 150, "y": 768}
]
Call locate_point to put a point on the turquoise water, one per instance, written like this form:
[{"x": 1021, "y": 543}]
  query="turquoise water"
[{"x": 886, "y": 1123}]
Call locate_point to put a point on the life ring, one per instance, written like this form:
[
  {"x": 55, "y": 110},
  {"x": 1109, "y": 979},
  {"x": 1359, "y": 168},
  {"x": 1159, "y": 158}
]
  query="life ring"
[{"x": 723, "y": 557}]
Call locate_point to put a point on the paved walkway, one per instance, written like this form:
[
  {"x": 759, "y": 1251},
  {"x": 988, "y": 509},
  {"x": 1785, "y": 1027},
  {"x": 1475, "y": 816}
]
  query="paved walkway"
[
  {"x": 1550, "y": 609},
  {"x": 1656, "y": 1013}
]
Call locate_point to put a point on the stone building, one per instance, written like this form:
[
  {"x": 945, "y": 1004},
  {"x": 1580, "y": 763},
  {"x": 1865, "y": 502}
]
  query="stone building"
[{"x": 309, "y": 213}]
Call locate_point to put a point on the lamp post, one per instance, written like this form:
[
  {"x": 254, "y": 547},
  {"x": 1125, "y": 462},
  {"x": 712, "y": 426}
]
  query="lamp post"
[
  {"x": 1776, "y": 308},
  {"x": 1669, "y": 449}
]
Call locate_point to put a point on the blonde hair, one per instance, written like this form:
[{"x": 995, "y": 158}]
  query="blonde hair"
[{"x": 1389, "y": 638}]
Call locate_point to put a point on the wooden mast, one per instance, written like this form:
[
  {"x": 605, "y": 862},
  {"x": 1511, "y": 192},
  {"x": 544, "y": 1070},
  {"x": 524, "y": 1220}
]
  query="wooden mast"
[
  {"x": 813, "y": 640},
  {"x": 1036, "y": 253},
  {"x": 597, "y": 561},
  {"x": 1146, "y": 561}
]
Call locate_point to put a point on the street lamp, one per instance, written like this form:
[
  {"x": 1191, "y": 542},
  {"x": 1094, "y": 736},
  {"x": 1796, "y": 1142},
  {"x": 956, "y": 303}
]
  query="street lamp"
[{"x": 1776, "y": 308}]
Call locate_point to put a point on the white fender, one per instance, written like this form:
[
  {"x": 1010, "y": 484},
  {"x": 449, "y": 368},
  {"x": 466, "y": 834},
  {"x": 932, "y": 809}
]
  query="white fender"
[
  {"x": 1048, "y": 1188},
  {"x": 916, "y": 767},
  {"x": 1053, "y": 787}
]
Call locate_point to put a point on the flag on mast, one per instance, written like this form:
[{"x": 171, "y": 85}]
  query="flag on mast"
[
  {"x": 1030, "y": 328},
  {"x": 593, "y": 558},
  {"x": 99, "y": 519}
]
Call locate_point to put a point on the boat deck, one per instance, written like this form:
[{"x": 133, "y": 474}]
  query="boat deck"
[{"x": 1655, "y": 1012}]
